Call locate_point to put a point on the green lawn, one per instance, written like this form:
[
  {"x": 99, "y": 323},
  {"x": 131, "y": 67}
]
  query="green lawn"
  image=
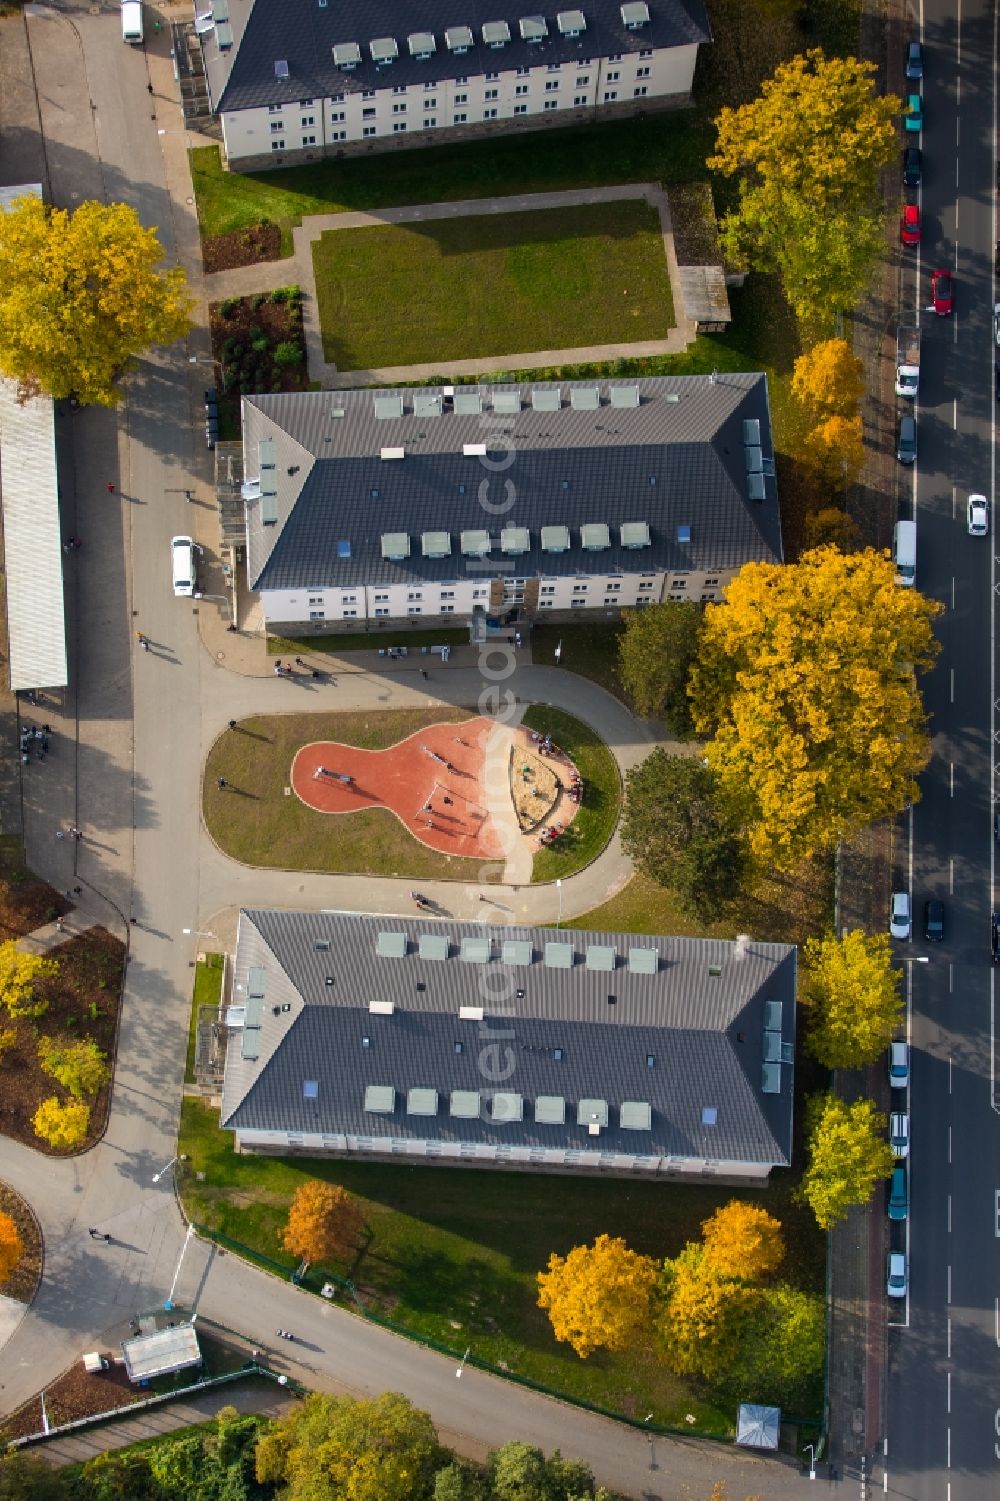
[
  {"x": 207, "y": 992},
  {"x": 348, "y": 641},
  {"x": 591, "y": 651},
  {"x": 453, "y": 1254},
  {"x": 597, "y": 816},
  {"x": 488, "y": 286},
  {"x": 254, "y": 821}
]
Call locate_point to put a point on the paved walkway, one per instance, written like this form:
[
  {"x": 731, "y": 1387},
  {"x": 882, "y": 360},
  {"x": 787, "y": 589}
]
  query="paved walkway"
[{"x": 245, "y": 280}]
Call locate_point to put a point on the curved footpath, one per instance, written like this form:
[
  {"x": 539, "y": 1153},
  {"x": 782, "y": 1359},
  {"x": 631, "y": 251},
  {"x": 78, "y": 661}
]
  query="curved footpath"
[{"x": 141, "y": 724}]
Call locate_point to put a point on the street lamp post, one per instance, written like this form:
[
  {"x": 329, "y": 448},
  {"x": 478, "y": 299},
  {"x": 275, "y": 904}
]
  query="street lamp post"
[
  {"x": 559, "y": 889},
  {"x": 461, "y": 1368},
  {"x": 198, "y": 933},
  {"x": 181, "y": 1157},
  {"x": 169, "y": 1301},
  {"x": 812, "y": 1447}
]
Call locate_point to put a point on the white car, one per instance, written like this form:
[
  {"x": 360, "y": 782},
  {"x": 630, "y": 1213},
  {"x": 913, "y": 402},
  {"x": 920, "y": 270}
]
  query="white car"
[
  {"x": 996, "y": 323},
  {"x": 899, "y": 915},
  {"x": 978, "y": 516},
  {"x": 899, "y": 1133},
  {"x": 899, "y": 1065},
  {"x": 895, "y": 1274}
]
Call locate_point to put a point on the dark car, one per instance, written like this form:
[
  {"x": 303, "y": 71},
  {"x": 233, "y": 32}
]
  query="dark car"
[
  {"x": 996, "y": 377},
  {"x": 914, "y": 61},
  {"x": 906, "y": 442},
  {"x": 995, "y": 937},
  {"x": 913, "y": 159},
  {"x": 933, "y": 921}
]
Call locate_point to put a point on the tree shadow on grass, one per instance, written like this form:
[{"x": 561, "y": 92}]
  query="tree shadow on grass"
[{"x": 471, "y": 1292}]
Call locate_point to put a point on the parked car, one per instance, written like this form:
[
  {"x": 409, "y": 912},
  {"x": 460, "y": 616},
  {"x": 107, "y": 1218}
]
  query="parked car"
[
  {"x": 942, "y": 293},
  {"x": 899, "y": 914},
  {"x": 906, "y": 441},
  {"x": 895, "y": 1274},
  {"x": 996, "y": 323},
  {"x": 914, "y": 62},
  {"x": 995, "y": 937},
  {"x": 899, "y": 1133},
  {"x": 933, "y": 921},
  {"x": 909, "y": 224},
  {"x": 913, "y": 160},
  {"x": 897, "y": 1194},
  {"x": 913, "y": 118},
  {"x": 899, "y": 1065},
  {"x": 996, "y": 377},
  {"x": 996, "y": 825},
  {"x": 978, "y": 516}
]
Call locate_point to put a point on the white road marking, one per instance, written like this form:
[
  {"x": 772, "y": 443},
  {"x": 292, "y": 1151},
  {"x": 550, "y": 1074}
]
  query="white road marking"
[
  {"x": 954, "y": 414},
  {"x": 949, "y": 1214},
  {"x": 953, "y": 685},
  {"x": 951, "y": 880},
  {"x": 996, "y": 1319},
  {"x": 949, "y": 1146},
  {"x": 996, "y": 1211},
  {"x": 951, "y": 777},
  {"x": 949, "y": 1339},
  {"x": 949, "y": 1390},
  {"x": 949, "y": 1073},
  {"x": 948, "y": 1299},
  {"x": 951, "y": 973},
  {"x": 948, "y": 1460}
]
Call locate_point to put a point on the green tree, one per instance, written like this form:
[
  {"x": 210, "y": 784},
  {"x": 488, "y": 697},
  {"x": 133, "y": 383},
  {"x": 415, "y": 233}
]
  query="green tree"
[
  {"x": 24, "y": 1477},
  {"x": 781, "y": 1357},
  {"x": 656, "y": 651},
  {"x": 597, "y": 1297},
  {"x": 851, "y": 995},
  {"x": 62, "y": 1125},
  {"x": 808, "y": 153},
  {"x": 345, "y": 1449},
  {"x": 80, "y": 296},
  {"x": 848, "y": 1156},
  {"x": 19, "y": 973},
  {"x": 115, "y": 1475},
  {"x": 460, "y": 1482},
  {"x": 679, "y": 833},
  {"x": 806, "y": 684},
  {"x": 80, "y": 1067}
]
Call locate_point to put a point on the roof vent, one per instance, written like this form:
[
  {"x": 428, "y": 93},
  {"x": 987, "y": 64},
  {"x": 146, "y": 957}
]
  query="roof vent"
[
  {"x": 635, "y": 1115},
  {"x": 550, "y": 1110},
  {"x": 421, "y": 44},
  {"x": 595, "y": 536},
  {"x": 516, "y": 951},
  {"x": 755, "y": 487},
  {"x": 600, "y": 956},
  {"x": 346, "y": 55},
  {"x": 464, "y": 1104},
  {"x": 435, "y": 544},
  {"x": 390, "y": 945},
  {"x": 384, "y": 50},
  {"x": 458, "y": 39},
  {"x": 474, "y": 450},
  {"x": 515, "y": 540},
  {"x": 770, "y": 1078},
  {"x": 388, "y": 404},
  {"x": 558, "y": 955},
  {"x": 427, "y": 404},
  {"x": 624, "y": 396},
  {"x": 475, "y": 950},
  {"x": 634, "y": 534},
  {"x": 475, "y": 544},
  {"x": 593, "y": 1114},
  {"x": 751, "y": 431},
  {"x": 555, "y": 539},
  {"x": 742, "y": 946},
  {"x": 395, "y": 546},
  {"x": 506, "y": 1106},
  {"x": 534, "y": 29},
  {"x": 392, "y": 453},
  {"x": 433, "y": 946},
  {"x": 381, "y": 1008},
  {"x": 643, "y": 961},
  {"x": 546, "y": 398},
  {"x": 507, "y": 400},
  {"x": 422, "y": 1102},
  {"x": 470, "y": 1013},
  {"x": 380, "y": 1099},
  {"x": 584, "y": 398},
  {"x": 571, "y": 22}
]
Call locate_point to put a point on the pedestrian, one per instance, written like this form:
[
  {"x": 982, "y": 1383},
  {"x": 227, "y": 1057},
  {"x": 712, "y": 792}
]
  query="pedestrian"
[
  {"x": 149, "y": 88},
  {"x": 59, "y": 924},
  {"x": 277, "y": 669},
  {"x": 94, "y": 1233},
  {"x": 447, "y": 802},
  {"x": 232, "y": 724},
  {"x": 288, "y": 671},
  {"x": 107, "y": 1240},
  {"x": 60, "y": 834},
  {"x": 111, "y": 488},
  {"x": 221, "y": 783},
  {"x": 78, "y": 891},
  {"x": 424, "y": 673},
  {"x": 299, "y": 662},
  {"x": 315, "y": 675},
  {"x": 278, "y": 664}
]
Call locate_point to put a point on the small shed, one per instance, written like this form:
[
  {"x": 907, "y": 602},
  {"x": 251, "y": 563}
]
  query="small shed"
[
  {"x": 158, "y": 1354},
  {"x": 758, "y": 1427}
]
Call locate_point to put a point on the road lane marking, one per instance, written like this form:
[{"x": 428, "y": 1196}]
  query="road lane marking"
[
  {"x": 951, "y": 967},
  {"x": 949, "y": 1447},
  {"x": 951, "y": 777},
  {"x": 949, "y": 1334},
  {"x": 949, "y": 1073},
  {"x": 996, "y": 1211},
  {"x": 951, "y": 880},
  {"x": 954, "y": 414},
  {"x": 949, "y": 1390},
  {"x": 996, "y": 1319},
  {"x": 948, "y": 1299},
  {"x": 949, "y": 1214},
  {"x": 953, "y": 685},
  {"x": 949, "y": 1146},
  {"x": 953, "y": 591}
]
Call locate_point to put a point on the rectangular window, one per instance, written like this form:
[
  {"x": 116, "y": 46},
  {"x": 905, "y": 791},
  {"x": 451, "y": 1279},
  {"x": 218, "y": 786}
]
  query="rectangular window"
[
  {"x": 305, "y": 103},
  {"x": 551, "y": 85},
  {"x": 368, "y": 114},
  {"x": 582, "y": 83},
  {"x": 462, "y": 79},
  {"x": 645, "y": 585},
  {"x": 640, "y": 92},
  {"x": 711, "y": 583},
  {"x": 461, "y": 98},
  {"x": 553, "y": 68},
  {"x": 277, "y": 145},
  {"x": 577, "y": 604},
  {"x": 338, "y": 135},
  {"x": 369, "y": 130},
  {"x": 612, "y": 588},
  {"x": 580, "y": 588},
  {"x": 399, "y": 109},
  {"x": 646, "y": 52},
  {"x": 381, "y": 610},
  {"x": 398, "y": 127},
  {"x": 274, "y": 109},
  {"x": 521, "y": 88},
  {"x": 548, "y": 589},
  {"x": 492, "y": 94},
  {"x": 430, "y": 86},
  {"x": 460, "y": 119},
  {"x": 491, "y": 77},
  {"x": 414, "y": 609},
  {"x": 610, "y": 96},
  {"x": 338, "y": 116},
  {"x": 447, "y": 609},
  {"x": 315, "y": 599},
  {"x": 643, "y": 72},
  {"x": 551, "y": 104},
  {"x": 679, "y": 584},
  {"x": 613, "y": 76},
  {"x": 546, "y": 604},
  {"x": 523, "y": 72},
  {"x": 480, "y": 593},
  {"x": 350, "y": 614},
  {"x": 490, "y": 114},
  {"x": 430, "y": 122},
  {"x": 336, "y": 98},
  {"x": 430, "y": 104},
  {"x": 368, "y": 94},
  {"x": 399, "y": 88},
  {"x": 317, "y": 614},
  {"x": 415, "y": 594},
  {"x": 306, "y": 121},
  {"x": 447, "y": 594},
  {"x": 614, "y": 57},
  {"x": 308, "y": 140},
  {"x": 276, "y": 127},
  {"x": 580, "y": 99}
]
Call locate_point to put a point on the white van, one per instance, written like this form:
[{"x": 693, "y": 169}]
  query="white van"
[
  {"x": 904, "y": 553},
  {"x": 184, "y": 566},
  {"x": 132, "y": 22}
]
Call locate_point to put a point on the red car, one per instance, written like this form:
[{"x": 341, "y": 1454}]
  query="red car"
[
  {"x": 942, "y": 293},
  {"x": 909, "y": 225}
]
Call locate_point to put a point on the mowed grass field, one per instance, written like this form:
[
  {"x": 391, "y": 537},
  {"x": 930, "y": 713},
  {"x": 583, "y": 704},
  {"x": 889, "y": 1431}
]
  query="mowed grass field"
[
  {"x": 253, "y": 820},
  {"x": 492, "y": 285}
]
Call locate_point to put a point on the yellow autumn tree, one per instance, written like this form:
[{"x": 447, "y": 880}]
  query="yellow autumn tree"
[
  {"x": 599, "y": 1296},
  {"x": 704, "y": 1313},
  {"x": 80, "y": 296},
  {"x": 19, "y": 974},
  {"x": 806, "y": 689},
  {"x": 829, "y": 379},
  {"x": 851, "y": 996},
  {"x": 808, "y": 153},
  {"x": 848, "y": 1156},
  {"x": 11, "y": 1249},
  {"x": 835, "y": 448},
  {"x": 80, "y": 1067},
  {"x": 742, "y": 1240},
  {"x": 830, "y": 525},
  {"x": 63, "y": 1124},
  {"x": 324, "y": 1223}
]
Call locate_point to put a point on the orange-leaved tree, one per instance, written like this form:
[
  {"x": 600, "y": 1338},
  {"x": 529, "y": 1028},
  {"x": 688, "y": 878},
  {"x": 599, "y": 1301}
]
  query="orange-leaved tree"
[
  {"x": 598, "y": 1296},
  {"x": 742, "y": 1240},
  {"x": 324, "y": 1223},
  {"x": 11, "y": 1249}
]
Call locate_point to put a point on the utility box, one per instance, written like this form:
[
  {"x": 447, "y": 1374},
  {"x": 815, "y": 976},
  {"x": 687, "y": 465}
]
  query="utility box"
[{"x": 95, "y": 1363}]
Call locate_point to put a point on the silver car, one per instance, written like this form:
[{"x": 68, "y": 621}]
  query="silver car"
[
  {"x": 899, "y": 1133},
  {"x": 899, "y": 915},
  {"x": 895, "y": 1274}
]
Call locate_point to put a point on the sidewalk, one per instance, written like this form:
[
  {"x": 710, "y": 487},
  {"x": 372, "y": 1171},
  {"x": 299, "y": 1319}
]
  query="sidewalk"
[{"x": 264, "y": 277}]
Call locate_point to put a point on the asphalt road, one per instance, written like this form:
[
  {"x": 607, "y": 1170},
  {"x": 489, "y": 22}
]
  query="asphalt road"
[{"x": 943, "y": 1435}]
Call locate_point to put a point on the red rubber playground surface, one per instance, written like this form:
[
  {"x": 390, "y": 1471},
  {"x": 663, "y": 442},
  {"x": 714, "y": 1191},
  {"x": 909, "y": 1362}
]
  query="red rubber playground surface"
[{"x": 433, "y": 782}]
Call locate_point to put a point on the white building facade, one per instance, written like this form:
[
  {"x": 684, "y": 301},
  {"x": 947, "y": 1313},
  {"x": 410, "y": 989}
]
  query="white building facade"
[{"x": 318, "y": 81}]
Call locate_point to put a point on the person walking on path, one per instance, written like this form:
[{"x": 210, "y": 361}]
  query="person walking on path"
[
  {"x": 424, "y": 673},
  {"x": 143, "y": 640},
  {"x": 111, "y": 488}
]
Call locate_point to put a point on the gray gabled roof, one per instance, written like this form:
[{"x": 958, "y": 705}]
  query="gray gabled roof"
[
  {"x": 302, "y": 34},
  {"x": 530, "y": 1031},
  {"x": 668, "y": 452}
]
